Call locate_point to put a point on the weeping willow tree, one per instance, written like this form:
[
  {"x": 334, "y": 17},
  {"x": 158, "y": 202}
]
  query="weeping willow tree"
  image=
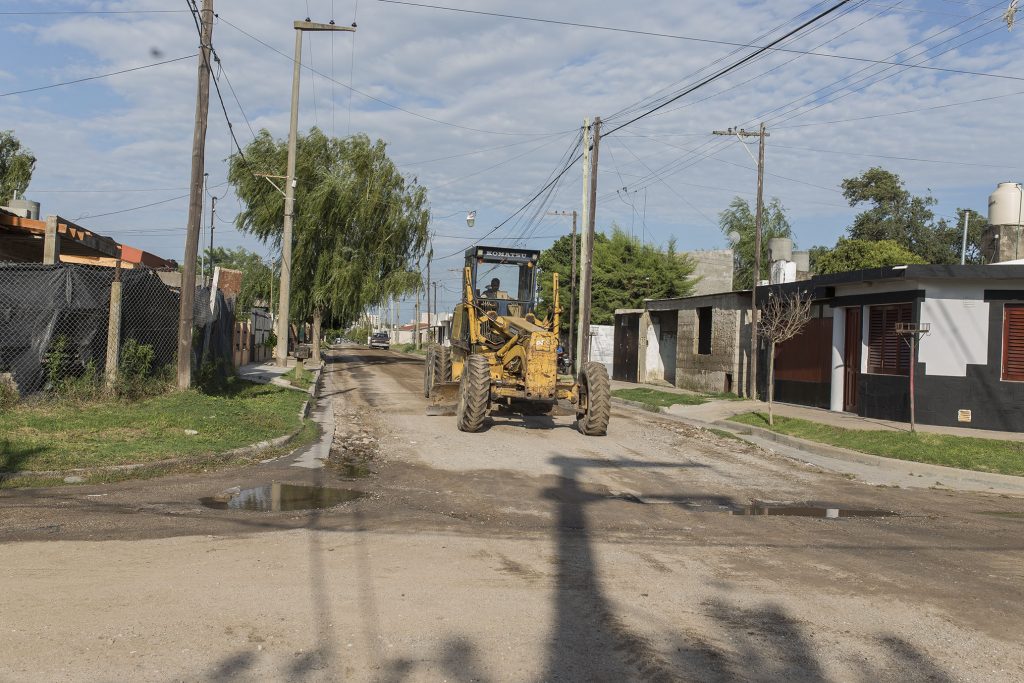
[{"x": 359, "y": 224}]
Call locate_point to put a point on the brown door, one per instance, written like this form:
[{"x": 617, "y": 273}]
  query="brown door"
[
  {"x": 851, "y": 361},
  {"x": 627, "y": 336}
]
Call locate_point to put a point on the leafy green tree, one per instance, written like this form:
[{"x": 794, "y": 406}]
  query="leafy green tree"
[
  {"x": 953, "y": 234},
  {"x": 16, "y": 166},
  {"x": 359, "y": 225},
  {"x": 257, "y": 276},
  {"x": 851, "y": 254},
  {"x": 625, "y": 273},
  {"x": 740, "y": 219}
]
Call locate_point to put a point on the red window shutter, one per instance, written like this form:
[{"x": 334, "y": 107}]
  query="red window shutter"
[
  {"x": 1013, "y": 342},
  {"x": 888, "y": 352}
]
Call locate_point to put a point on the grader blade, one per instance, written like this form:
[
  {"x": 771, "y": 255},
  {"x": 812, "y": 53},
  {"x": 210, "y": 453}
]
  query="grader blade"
[{"x": 443, "y": 399}]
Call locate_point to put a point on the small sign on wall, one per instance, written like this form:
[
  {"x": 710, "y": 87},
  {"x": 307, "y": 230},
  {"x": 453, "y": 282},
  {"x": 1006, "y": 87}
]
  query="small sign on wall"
[{"x": 963, "y": 416}]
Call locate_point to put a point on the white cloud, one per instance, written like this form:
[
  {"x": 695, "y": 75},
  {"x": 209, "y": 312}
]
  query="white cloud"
[{"x": 507, "y": 76}]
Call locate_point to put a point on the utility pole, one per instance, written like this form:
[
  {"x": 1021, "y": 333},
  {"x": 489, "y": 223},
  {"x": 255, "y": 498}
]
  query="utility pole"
[
  {"x": 289, "y": 187},
  {"x": 429, "y": 308},
  {"x": 963, "y": 249},
  {"x": 585, "y": 208},
  {"x": 213, "y": 217},
  {"x": 195, "y": 203},
  {"x": 419, "y": 282},
  {"x": 761, "y": 134},
  {"x": 437, "y": 322},
  {"x": 572, "y": 284},
  {"x": 587, "y": 250}
]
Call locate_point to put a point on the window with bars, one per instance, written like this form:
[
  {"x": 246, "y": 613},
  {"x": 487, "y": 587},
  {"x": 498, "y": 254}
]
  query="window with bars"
[
  {"x": 1013, "y": 342},
  {"x": 888, "y": 353}
]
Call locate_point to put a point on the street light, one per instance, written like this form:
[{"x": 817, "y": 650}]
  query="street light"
[{"x": 471, "y": 218}]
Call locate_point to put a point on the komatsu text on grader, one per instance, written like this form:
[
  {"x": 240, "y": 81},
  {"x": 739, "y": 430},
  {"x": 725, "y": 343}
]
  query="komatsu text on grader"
[{"x": 503, "y": 353}]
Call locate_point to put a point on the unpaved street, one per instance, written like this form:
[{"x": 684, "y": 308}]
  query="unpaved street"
[{"x": 527, "y": 552}]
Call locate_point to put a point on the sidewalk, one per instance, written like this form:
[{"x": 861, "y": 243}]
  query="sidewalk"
[
  {"x": 872, "y": 469},
  {"x": 718, "y": 409}
]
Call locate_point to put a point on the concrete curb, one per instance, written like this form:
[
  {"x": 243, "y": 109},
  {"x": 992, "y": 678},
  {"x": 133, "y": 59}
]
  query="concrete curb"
[
  {"x": 818, "y": 454},
  {"x": 951, "y": 477}
]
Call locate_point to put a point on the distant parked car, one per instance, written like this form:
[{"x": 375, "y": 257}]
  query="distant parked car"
[
  {"x": 337, "y": 340},
  {"x": 380, "y": 340}
]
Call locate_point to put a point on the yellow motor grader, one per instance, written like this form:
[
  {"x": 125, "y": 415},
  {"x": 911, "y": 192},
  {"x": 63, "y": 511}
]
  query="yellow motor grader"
[{"x": 503, "y": 353}]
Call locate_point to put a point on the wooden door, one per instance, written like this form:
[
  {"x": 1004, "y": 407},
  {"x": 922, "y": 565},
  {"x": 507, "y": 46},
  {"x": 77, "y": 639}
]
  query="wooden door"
[
  {"x": 851, "y": 360},
  {"x": 627, "y": 346}
]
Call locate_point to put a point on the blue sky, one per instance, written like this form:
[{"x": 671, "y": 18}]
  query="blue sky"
[{"x": 123, "y": 142}]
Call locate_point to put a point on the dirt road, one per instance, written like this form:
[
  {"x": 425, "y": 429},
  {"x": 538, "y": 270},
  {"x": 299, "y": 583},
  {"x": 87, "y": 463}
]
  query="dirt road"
[{"x": 525, "y": 553}]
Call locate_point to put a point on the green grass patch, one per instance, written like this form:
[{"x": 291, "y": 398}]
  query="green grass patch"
[
  {"x": 56, "y": 436},
  {"x": 659, "y": 399},
  {"x": 965, "y": 452},
  {"x": 410, "y": 348},
  {"x": 299, "y": 377}
]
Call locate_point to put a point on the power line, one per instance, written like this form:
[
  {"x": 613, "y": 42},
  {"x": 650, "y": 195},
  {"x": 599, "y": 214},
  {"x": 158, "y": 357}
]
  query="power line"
[
  {"x": 125, "y": 11},
  {"x": 900, "y": 113},
  {"x": 711, "y": 41},
  {"x": 379, "y": 100},
  {"x": 93, "y": 78},
  {"x": 896, "y": 158}
]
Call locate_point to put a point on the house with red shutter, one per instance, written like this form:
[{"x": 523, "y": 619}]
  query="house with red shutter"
[{"x": 855, "y": 355}]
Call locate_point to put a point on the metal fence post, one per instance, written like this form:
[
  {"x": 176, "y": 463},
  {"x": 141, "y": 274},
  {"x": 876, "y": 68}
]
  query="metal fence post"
[{"x": 114, "y": 330}]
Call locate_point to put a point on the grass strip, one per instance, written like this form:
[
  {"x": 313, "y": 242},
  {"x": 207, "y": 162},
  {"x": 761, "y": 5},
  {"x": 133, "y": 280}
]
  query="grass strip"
[
  {"x": 658, "y": 399},
  {"x": 63, "y": 436},
  {"x": 299, "y": 376},
  {"x": 964, "y": 452}
]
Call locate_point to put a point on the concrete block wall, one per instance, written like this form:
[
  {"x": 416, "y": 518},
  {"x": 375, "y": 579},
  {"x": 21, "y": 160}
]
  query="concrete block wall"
[{"x": 729, "y": 348}]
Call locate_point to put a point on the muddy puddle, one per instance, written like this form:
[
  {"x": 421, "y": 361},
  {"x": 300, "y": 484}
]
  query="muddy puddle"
[
  {"x": 278, "y": 497},
  {"x": 723, "y": 504},
  {"x": 807, "y": 510}
]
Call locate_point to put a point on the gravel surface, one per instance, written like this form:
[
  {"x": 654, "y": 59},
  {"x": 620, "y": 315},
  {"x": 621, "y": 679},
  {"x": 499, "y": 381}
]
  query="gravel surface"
[{"x": 527, "y": 552}]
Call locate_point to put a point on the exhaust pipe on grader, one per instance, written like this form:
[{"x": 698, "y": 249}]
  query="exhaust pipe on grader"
[{"x": 501, "y": 352}]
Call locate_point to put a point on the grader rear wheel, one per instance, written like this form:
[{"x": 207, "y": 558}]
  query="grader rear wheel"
[
  {"x": 474, "y": 394},
  {"x": 442, "y": 365},
  {"x": 594, "y": 409}
]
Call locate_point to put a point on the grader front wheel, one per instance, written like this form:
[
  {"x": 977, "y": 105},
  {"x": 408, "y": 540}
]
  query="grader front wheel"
[
  {"x": 474, "y": 394},
  {"x": 595, "y": 400}
]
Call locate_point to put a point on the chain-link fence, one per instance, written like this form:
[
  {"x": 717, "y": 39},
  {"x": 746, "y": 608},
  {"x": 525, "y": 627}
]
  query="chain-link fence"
[{"x": 66, "y": 326}]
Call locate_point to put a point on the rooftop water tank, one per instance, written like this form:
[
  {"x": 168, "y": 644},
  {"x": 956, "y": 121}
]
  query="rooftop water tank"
[
  {"x": 1004, "y": 205},
  {"x": 26, "y": 208},
  {"x": 780, "y": 249},
  {"x": 802, "y": 260}
]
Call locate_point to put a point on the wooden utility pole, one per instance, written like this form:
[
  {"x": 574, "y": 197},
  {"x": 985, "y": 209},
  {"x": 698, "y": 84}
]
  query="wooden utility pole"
[
  {"x": 289, "y": 187},
  {"x": 587, "y": 251},
  {"x": 761, "y": 134},
  {"x": 572, "y": 284},
  {"x": 419, "y": 282},
  {"x": 429, "y": 307},
  {"x": 585, "y": 208},
  {"x": 195, "y": 203}
]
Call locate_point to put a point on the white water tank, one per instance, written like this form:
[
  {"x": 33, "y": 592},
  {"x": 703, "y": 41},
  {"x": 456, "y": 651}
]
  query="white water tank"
[
  {"x": 802, "y": 259},
  {"x": 780, "y": 249},
  {"x": 1004, "y": 205}
]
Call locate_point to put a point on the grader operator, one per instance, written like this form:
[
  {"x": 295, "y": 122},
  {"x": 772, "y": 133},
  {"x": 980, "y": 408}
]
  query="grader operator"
[{"x": 503, "y": 352}]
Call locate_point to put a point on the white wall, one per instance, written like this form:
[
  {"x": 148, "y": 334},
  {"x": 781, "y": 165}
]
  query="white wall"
[
  {"x": 602, "y": 345},
  {"x": 959, "y": 327},
  {"x": 654, "y": 368}
]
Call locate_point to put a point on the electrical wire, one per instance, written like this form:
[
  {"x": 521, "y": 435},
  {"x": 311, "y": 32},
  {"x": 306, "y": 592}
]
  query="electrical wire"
[
  {"x": 124, "y": 11},
  {"x": 97, "y": 77},
  {"x": 385, "y": 102},
  {"x": 770, "y": 46}
]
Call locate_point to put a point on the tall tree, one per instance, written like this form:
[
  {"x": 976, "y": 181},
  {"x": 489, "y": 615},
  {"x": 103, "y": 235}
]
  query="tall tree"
[
  {"x": 739, "y": 219},
  {"x": 16, "y": 166},
  {"x": 626, "y": 271},
  {"x": 359, "y": 225},
  {"x": 894, "y": 214}
]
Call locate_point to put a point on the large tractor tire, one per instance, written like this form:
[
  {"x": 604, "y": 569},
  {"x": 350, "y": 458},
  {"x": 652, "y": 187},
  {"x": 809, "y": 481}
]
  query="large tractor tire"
[
  {"x": 595, "y": 401},
  {"x": 437, "y": 368},
  {"x": 428, "y": 372},
  {"x": 474, "y": 394},
  {"x": 442, "y": 365}
]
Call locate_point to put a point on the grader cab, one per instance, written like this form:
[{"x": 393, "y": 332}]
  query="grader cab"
[{"x": 503, "y": 352}]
